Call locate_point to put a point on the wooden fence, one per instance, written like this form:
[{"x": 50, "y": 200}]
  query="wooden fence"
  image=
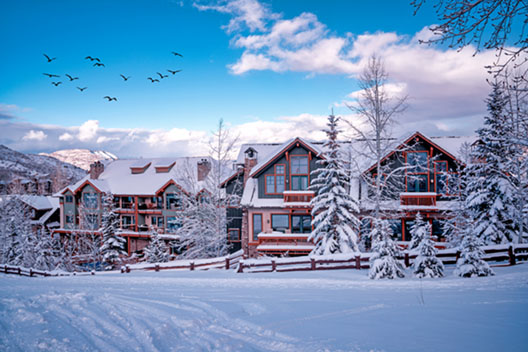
[
  {"x": 17, "y": 270},
  {"x": 508, "y": 253}
]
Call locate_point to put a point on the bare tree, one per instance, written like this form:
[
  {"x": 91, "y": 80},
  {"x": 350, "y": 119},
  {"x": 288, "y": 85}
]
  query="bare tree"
[
  {"x": 487, "y": 24},
  {"x": 375, "y": 111}
]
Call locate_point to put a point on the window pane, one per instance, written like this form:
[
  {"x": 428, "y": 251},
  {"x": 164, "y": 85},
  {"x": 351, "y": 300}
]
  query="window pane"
[
  {"x": 173, "y": 223},
  {"x": 279, "y": 169},
  {"x": 257, "y": 226},
  {"x": 299, "y": 164},
  {"x": 440, "y": 167},
  {"x": 441, "y": 186},
  {"x": 270, "y": 184},
  {"x": 301, "y": 224},
  {"x": 279, "y": 222},
  {"x": 280, "y": 184},
  {"x": 417, "y": 159},
  {"x": 408, "y": 225},
  {"x": 299, "y": 183},
  {"x": 90, "y": 200},
  {"x": 396, "y": 227},
  {"x": 416, "y": 183},
  {"x": 438, "y": 231},
  {"x": 233, "y": 235},
  {"x": 173, "y": 201}
]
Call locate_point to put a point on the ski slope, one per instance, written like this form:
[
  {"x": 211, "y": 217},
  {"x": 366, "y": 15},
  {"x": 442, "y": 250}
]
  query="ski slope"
[{"x": 221, "y": 310}]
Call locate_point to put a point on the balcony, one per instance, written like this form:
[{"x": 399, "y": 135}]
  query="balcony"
[
  {"x": 418, "y": 199},
  {"x": 298, "y": 199},
  {"x": 281, "y": 243}
]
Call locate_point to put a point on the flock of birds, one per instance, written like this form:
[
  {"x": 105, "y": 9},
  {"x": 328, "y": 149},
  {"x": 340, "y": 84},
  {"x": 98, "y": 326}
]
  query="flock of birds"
[{"x": 97, "y": 63}]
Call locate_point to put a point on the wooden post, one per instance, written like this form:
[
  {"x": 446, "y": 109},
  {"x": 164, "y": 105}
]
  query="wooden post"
[
  {"x": 156, "y": 267},
  {"x": 457, "y": 256},
  {"x": 407, "y": 261},
  {"x": 127, "y": 269},
  {"x": 31, "y": 272},
  {"x": 273, "y": 265},
  {"x": 192, "y": 266},
  {"x": 19, "y": 271},
  {"x": 511, "y": 255},
  {"x": 358, "y": 262},
  {"x": 227, "y": 263},
  {"x": 240, "y": 267},
  {"x": 312, "y": 263},
  {"x": 122, "y": 270}
]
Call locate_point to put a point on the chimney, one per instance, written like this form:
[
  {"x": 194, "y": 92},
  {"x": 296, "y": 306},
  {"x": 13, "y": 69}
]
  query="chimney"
[
  {"x": 96, "y": 169},
  {"x": 250, "y": 160},
  {"x": 204, "y": 166}
]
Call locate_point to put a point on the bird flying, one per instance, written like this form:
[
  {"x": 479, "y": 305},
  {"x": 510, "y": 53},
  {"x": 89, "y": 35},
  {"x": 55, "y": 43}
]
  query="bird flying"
[
  {"x": 49, "y": 59},
  {"x": 71, "y": 78},
  {"x": 99, "y": 64},
  {"x": 81, "y": 89},
  {"x": 177, "y": 54},
  {"x": 125, "y": 78},
  {"x": 162, "y": 76},
  {"x": 110, "y": 98},
  {"x": 92, "y": 58},
  {"x": 56, "y": 84},
  {"x": 173, "y": 72},
  {"x": 50, "y": 75},
  {"x": 153, "y": 79}
]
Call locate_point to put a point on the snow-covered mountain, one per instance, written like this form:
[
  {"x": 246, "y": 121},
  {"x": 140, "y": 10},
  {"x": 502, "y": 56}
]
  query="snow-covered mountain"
[
  {"x": 81, "y": 157},
  {"x": 32, "y": 174}
]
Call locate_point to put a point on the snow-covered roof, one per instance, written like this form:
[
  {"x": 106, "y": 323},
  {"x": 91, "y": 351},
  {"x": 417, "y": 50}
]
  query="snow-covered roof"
[
  {"x": 117, "y": 177},
  {"x": 262, "y": 149},
  {"x": 40, "y": 202}
]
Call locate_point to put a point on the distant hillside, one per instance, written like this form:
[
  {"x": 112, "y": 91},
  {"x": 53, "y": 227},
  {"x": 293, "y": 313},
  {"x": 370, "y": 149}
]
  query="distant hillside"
[
  {"x": 81, "y": 157},
  {"x": 34, "y": 174}
]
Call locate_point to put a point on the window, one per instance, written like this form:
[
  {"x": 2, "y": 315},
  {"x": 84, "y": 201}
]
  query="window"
[
  {"x": 173, "y": 201},
  {"x": 280, "y": 222},
  {"x": 396, "y": 226},
  {"x": 408, "y": 225},
  {"x": 173, "y": 224},
  {"x": 417, "y": 174},
  {"x": 301, "y": 223},
  {"x": 440, "y": 171},
  {"x": 69, "y": 219},
  {"x": 90, "y": 200},
  {"x": 128, "y": 222},
  {"x": 69, "y": 199},
  {"x": 127, "y": 203},
  {"x": 233, "y": 235},
  {"x": 438, "y": 230},
  {"x": 157, "y": 221},
  {"x": 257, "y": 226},
  {"x": 92, "y": 222},
  {"x": 275, "y": 182},
  {"x": 299, "y": 171}
]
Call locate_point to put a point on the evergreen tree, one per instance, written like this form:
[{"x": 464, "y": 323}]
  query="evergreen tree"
[
  {"x": 470, "y": 262},
  {"x": 156, "y": 251},
  {"x": 489, "y": 195},
  {"x": 15, "y": 230},
  {"x": 46, "y": 259},
  {"x": 384, "y": 263},
  {"x": 426, "y": 264},
  {"x": 419, "y": 230},
  {"x": 113, "y": 244},
  {"x": 334, "y": 210}
]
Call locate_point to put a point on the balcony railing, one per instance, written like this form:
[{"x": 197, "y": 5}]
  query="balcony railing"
[
  {"x": 418, "y": 199},
  {"x": 298, "y": 198}
]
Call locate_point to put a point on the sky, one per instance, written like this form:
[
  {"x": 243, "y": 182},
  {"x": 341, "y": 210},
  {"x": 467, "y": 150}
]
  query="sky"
[{"x": 272, "y": 70}]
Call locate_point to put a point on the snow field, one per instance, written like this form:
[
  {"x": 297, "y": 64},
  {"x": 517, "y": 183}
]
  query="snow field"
[{"x": 221, "y": 310}]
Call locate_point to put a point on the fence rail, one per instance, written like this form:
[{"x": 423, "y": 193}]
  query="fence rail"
[
  {"x": 510, "y": 253},
  {"x": 17, "y": 270}
]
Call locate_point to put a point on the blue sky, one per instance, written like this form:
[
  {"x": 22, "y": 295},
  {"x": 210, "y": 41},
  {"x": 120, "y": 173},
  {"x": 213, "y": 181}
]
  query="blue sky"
[{"x": 270, "y": 69}]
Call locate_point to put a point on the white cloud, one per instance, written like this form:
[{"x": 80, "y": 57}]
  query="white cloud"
[
  {"x": 33, "y": 135},
  {"x": 65, "y": 137},
  {"x": 88, "y": 130}
]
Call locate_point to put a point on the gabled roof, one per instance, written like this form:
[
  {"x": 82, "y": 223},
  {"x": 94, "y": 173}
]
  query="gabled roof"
[
  {"x": 448, "y": 145},
  {"x": 278, "y": 152}
]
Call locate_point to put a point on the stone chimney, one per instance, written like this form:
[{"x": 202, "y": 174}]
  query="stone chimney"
[
  {"x": 204, "y": 166},
  {"x": 96, "y": 169},
  {"x": 250, "y": 160}
]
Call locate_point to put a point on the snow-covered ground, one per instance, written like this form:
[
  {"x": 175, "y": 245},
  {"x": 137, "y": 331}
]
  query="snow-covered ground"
[{"x": 221, "y": 310}]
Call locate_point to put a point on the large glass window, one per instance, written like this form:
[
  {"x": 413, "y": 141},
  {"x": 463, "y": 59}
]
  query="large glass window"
[
  {"x": 257, "y": 226},
  {"x": 173, "y": 201},
  {"x": 301, "y": 223},
  {"x": 299, "y": 183},
  {"x": 280, "y": 222},
  {"x": 275, "y": 182},
  {"x": 173, "y": 224},
  {"x": 416, "y": 183},
  {"x": 418, "y": 160},
  {"x": 90, "y": 200},
  {"x": 417, "y": 173},
  {"x": 299, "y": 164}
]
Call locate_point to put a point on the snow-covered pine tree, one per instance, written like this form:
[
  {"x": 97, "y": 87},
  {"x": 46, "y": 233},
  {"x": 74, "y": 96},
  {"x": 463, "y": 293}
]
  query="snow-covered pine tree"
[
  {"x": 46, "y": 259},
  {"x": 113, "y": 244},
  {"x": 334, "y": 210},
  {"x": 426, "y": 264},
  {"x": 489, "y": 195},
  {"x": 383, "y": 262},
  {"x": 16, "y": 228},
  {"x": 156, "y": 251},
  {"x": 419, "y": 230},
  {"x": 470, "y": 262}
]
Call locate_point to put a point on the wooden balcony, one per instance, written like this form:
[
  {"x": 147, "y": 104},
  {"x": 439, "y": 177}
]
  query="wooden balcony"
[
  {"x": 296, "y": 199},
  {"x": 281, "y": 243},
  {"x": 418, "y": 199}
]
